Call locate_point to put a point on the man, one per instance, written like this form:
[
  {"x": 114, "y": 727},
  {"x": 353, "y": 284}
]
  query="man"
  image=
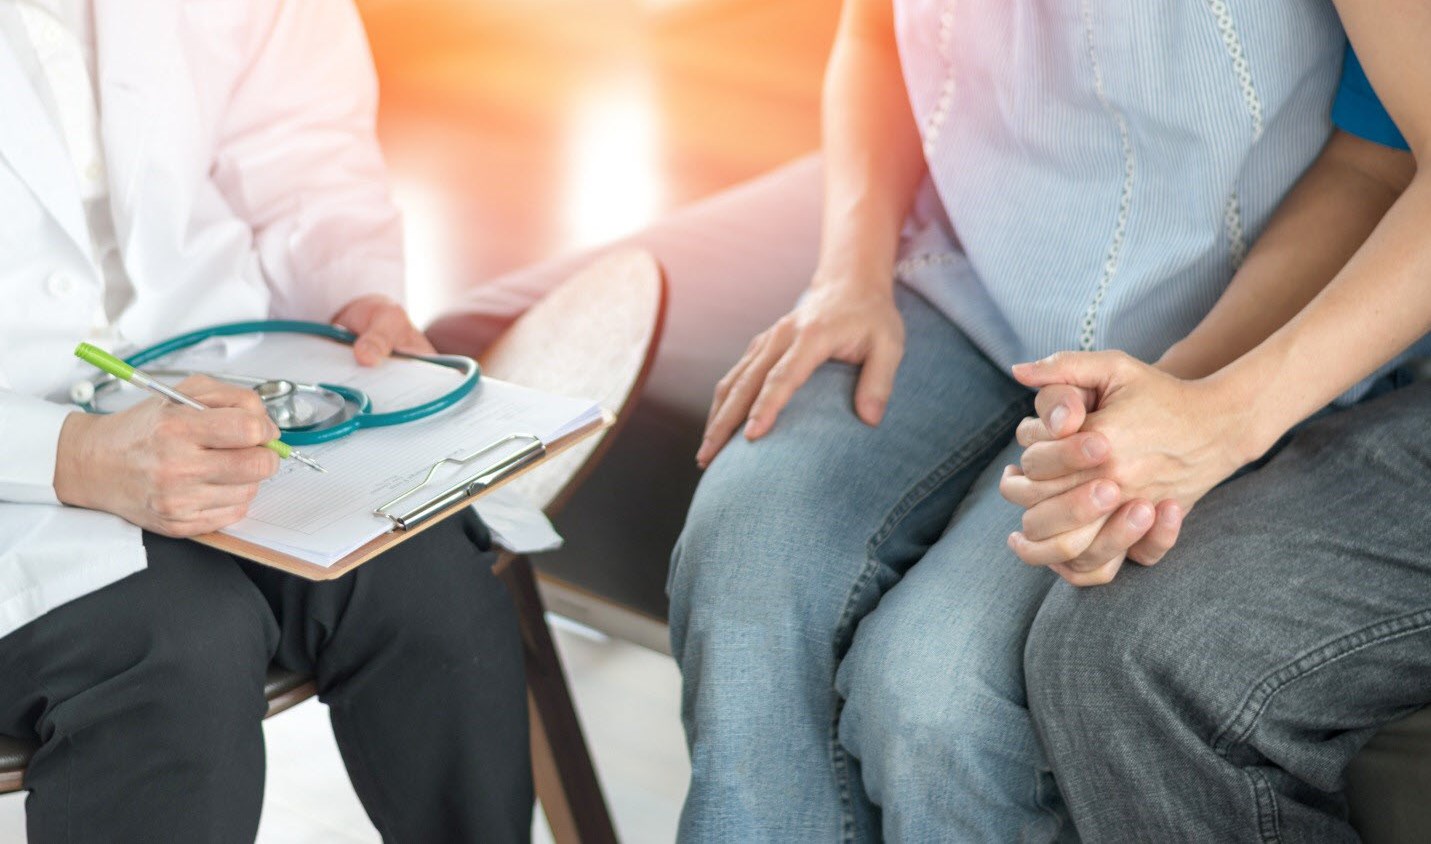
[
  {"x": 166, "y": 166},
  {"x": 1221, "y": 695}
]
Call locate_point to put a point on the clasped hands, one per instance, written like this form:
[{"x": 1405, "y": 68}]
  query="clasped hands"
[{"x": 1117, "y": 455}]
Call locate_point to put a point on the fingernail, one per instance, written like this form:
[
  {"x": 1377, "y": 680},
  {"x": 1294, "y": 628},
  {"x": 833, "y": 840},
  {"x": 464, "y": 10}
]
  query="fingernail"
[
  {"x": 1105, "y": 493},
  {"x": 752, "y": 429},
  {"x": 1058, "y": 417},
  {"x": 1015, "y": 538},
  {"x": 1171, "y": 515},
  {"x": 1095, "y": 448},
  {"x": 1141, "y": 517}
]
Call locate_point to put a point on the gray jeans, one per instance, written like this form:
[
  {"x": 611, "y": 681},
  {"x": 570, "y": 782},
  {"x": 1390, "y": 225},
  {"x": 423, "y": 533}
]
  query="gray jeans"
[{"x": 1220, "y": 695}]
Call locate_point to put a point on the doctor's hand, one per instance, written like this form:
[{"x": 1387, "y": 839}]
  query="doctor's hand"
[
  {"x": 383, "y": 327},
  {"x": 849, "y": 321},
  {"x": 1150, "y": 438},
  {"x": 167, "y": 468}
]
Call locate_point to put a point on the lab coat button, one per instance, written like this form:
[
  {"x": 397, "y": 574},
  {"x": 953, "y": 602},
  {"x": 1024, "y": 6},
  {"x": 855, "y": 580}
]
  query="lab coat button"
[{"x": 61, "y": 285}]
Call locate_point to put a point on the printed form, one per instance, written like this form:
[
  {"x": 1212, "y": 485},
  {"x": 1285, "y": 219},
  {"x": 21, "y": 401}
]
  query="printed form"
[{"x": 321, "y": 517}]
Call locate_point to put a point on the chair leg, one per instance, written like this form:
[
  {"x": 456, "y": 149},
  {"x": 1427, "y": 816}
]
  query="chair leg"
[{"x": 566, "y": 781}]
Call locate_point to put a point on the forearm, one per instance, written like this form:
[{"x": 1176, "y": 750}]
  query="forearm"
[
  {"x": 872, "y": 153},
  {"x": 1377, "y": 306},
  {"x": 1324, "y": 219}
]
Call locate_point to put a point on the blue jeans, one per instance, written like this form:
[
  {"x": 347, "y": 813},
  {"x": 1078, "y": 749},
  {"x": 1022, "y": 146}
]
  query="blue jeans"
[{"x": 850, "y": 623}]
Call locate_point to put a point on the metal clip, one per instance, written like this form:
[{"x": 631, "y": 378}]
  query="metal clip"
[{"x": 534, "y": 450}]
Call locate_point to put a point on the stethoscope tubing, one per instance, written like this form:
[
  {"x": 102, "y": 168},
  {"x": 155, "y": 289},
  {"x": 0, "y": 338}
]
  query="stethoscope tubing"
[{"x": 365, "y": 417}]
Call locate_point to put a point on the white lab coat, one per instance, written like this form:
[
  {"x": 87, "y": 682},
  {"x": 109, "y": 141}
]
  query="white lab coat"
[{"x": 245, "y": 181}]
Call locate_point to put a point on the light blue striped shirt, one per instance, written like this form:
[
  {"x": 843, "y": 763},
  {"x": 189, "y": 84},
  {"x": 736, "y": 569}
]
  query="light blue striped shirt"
[{"x": 1099, "y": 168}]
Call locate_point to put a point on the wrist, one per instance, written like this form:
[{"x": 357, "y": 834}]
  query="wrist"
[
  {"x": 867, "y": 276},
  {"x": 72, "y": 458},
  {"x": 1236, "y": 398},
  {"x": 1182, "y": 360}
]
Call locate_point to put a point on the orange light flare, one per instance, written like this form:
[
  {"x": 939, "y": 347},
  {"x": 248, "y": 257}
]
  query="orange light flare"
[
  {"x": 614, "y": 181},
  {"x": 428, "y": 247}
]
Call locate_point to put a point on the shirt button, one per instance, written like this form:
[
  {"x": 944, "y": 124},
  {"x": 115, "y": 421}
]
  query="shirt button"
[{"x": 61, "y": 285}]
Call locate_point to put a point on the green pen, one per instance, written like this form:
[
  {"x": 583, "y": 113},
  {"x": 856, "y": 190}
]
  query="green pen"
[{"x": 124, "y": 372}]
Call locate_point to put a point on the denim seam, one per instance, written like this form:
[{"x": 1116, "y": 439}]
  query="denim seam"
[
  {"x": 977, "y": 444},
  {"x": 998, "y": 429},
  {"x": 1246, "y": 717}
]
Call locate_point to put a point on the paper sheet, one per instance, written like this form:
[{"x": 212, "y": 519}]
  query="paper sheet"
[
  {"x": 320, "y": 517},
  {"x": 517, "y": 524}
]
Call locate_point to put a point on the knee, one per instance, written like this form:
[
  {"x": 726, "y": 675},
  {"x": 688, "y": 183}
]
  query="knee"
[
  {"x": 196, "y": 669},
  {"x": 911, "y": 696},
  {"x": 461, "y": 622},
  {"x": 748, "y": 558},
  {"x": 1095, "y": 654}
]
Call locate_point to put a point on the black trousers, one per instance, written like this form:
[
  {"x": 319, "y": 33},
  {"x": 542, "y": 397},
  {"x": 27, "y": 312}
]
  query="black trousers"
[{"x": 147, "y": 696}]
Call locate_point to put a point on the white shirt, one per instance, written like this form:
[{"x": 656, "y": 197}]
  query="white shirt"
[
  {"x": 55, "y": 39},
  {"x": 243, "y": 181}
]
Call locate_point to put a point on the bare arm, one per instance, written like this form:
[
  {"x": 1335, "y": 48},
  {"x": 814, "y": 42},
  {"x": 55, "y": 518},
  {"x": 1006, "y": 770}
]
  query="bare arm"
[
  {"x": 873, "y": 159},
  {"x": 873, "y": 165},
  {"x": 1322, "y": 222},
  {"x": 1380, "y": 302}
]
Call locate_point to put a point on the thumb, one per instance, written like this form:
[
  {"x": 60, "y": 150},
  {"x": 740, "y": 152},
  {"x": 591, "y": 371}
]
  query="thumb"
[
  {"x": 1091, "y": 370},
  {"x": 1062, "y": 408},
  {"x": 877, "y": 381}
]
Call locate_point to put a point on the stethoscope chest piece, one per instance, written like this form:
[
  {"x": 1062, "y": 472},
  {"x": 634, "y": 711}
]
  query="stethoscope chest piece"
[{"x": 304, "y": 407}]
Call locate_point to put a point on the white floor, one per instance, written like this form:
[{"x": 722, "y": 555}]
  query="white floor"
[{"x": 628, "y": 699}]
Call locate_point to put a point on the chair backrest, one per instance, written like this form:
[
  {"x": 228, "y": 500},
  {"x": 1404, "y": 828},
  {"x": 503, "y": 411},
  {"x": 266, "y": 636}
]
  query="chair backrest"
[{"x": 594, "y": 337}]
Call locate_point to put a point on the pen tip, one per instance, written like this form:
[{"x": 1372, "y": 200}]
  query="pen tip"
[{"x": 309, "y": 462}]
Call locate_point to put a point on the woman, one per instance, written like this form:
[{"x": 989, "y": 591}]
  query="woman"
[{"x": 849, "y": 617}]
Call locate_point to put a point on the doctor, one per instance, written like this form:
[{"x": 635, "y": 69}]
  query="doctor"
[{"x": 164, "y": 166}]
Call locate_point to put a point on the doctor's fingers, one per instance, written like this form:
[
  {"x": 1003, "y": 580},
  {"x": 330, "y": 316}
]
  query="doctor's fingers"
[
  {"x": 213, "y": 393},
  {"x": 221, "y": 427},
  {"x": 191, "y": 501},
  {"x": 237, "y": 466},
  {"x": 389, "y": 329},
  {"x": 199, "y": 523}
]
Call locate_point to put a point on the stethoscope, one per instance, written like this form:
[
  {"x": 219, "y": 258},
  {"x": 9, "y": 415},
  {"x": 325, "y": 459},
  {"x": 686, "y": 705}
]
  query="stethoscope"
[{"x": 306, "y": 414}]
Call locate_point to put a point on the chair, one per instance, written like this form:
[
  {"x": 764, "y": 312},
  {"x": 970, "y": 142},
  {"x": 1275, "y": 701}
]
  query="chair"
[{"x": 594, "y": 336}]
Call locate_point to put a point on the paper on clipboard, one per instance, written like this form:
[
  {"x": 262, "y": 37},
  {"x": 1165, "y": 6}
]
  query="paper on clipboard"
[{"x": 319, "y": 518}]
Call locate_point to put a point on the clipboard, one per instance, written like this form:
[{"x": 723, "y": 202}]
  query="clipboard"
[{"x": 411, "y": 515}]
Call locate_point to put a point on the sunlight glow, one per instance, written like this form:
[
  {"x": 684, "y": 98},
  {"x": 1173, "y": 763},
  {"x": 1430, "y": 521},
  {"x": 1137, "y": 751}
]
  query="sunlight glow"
[
  {"x": 614, "y": 186},
  {"x": 428, "y": 247}
]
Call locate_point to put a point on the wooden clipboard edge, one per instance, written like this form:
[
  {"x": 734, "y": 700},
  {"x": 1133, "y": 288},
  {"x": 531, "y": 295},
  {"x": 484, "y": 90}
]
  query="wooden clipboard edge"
[{"x": 312, "y": 571}]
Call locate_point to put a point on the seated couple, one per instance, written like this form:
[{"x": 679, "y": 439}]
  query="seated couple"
[
  {"x": 866, "y": 652},
  {"x": 915, "y": 598}
]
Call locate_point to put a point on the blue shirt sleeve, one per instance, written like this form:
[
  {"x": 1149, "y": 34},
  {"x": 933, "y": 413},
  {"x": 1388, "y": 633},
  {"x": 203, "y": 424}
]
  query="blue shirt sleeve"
[{"x": 1358, "y": 111}]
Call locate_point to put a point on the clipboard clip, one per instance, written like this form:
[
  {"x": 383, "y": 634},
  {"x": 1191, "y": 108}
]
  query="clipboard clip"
[{"x": 534, "y": 450}]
